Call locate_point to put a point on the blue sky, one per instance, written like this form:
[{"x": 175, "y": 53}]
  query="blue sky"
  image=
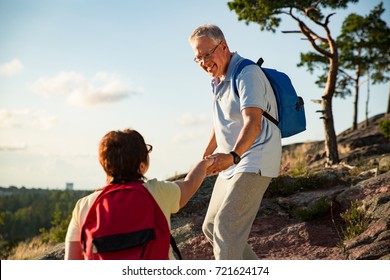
[{"x": 72, "y": 70}]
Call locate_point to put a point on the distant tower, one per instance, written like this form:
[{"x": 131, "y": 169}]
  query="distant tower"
[{"x": 69, "y": 186}]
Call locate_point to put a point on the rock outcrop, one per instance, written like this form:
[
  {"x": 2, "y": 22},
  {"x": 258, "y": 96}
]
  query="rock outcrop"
[
  {"x": 280, "y": 233},
  {"x": 300, "y": 222}
]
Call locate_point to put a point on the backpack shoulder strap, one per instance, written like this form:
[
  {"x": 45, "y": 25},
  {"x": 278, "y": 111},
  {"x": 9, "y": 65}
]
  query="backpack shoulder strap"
[
  {"x": 175, "y": 248},
  {"x": 243, "y": 63},
  {"x": 172, "y": 239}
]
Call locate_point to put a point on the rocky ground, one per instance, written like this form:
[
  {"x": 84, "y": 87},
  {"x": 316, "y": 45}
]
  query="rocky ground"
[{"x": 280, "y": 232}]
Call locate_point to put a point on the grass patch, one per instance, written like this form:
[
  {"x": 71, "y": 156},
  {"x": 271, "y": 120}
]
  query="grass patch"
[
  {"x": 385, "y": 127},
  {"x": 314, "y": 211},
  {"x": 299, "y": 169},
  {"x": 355, "y": 220},
  {"x": 29, "y": 249},
  {"x": 287, "y": 185}
]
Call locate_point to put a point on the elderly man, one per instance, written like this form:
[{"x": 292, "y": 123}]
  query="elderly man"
[{"x": 246, "y": 147}]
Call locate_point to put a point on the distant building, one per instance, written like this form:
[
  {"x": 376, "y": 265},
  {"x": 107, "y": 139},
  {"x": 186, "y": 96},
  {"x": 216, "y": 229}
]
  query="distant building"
[{"x": 69, "y": 186}]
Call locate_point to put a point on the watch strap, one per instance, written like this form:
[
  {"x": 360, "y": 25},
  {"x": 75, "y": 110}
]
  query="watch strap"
[{"x": 236, "y": 158}]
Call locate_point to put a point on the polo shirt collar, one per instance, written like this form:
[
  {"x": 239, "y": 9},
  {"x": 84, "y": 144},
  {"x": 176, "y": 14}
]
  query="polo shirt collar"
[{"x": 232, "y": 65}]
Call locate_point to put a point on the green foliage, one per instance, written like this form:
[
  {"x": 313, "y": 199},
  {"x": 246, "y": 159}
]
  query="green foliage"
[
  {"x": 313, "y": 61},
  {"x": 267, "y": 13},
  {"x": 385, "y": 127},
  {"x": 287, "y": 185},
  {"x": 312, "y": 212},
  {"x": 59, "y": 227},
  {"x": 299, "y": 169},
  {"x": 355, "y": 221},
  {"x": 25, "y": 213},
  {"x": 364, "y": 45}
]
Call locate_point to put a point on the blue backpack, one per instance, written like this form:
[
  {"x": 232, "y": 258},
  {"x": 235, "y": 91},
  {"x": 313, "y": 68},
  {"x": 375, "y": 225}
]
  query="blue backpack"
[{"x": 291, "y": 112}]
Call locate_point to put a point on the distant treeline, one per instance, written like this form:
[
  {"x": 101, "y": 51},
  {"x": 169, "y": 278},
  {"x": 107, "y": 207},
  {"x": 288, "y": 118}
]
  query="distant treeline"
[{"x": 26, "y": 213}]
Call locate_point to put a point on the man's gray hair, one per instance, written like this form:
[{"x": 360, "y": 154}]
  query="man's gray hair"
[{"x": 207, "y": 30}]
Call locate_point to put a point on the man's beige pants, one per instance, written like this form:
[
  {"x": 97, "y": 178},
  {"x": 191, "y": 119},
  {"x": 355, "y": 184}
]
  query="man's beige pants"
[{"x": 233, "y": 207}]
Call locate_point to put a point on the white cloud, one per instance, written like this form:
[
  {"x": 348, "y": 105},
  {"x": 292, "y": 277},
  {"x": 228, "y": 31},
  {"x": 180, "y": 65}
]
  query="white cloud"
[
  {"x": 63, "y": 83},
  {"x": 26, "y": 118},
  {"x": 41, "y": 121},
  {"x": 11, "y": 68},
  {"x": 13, "y": 147},
  {"x": 191, "y": 120},
  {"x": 189, "y": 136},
  {"x": 11, "y": 119},
  {"x": 102, "y": 88}
]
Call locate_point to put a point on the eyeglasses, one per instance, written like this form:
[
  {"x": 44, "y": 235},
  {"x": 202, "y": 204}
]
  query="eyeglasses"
[
  {"x": 198, "y": 59},
  {"x": 149, "y": 148}
]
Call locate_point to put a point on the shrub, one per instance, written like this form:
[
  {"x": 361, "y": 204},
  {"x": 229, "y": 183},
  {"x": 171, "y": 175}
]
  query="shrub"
[
  {"x": 286, "y": 185},
  {"x": 317, "y": 210},
  {"x": 299, "y": 169},
  {"x": 59, "y": 228},
  {"x": 385, "y": 127},
  {"x": 355, "y": 221}
]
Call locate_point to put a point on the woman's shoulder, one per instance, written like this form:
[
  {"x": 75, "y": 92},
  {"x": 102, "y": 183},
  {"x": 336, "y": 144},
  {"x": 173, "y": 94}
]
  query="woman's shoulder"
[
  {"x": 154, "y": 184},
  {"x": 166, "y": 193},
  {"x": 87, "y": 200}
]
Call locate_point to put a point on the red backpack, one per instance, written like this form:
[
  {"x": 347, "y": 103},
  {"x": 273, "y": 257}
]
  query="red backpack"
[{"x": 125, "y": 222}]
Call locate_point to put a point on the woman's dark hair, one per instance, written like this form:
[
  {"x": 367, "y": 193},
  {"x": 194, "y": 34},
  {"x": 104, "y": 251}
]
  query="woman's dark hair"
[{"x": 121, "y": 153}]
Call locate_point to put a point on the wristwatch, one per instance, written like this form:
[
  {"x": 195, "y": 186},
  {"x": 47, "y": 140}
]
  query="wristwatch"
[{"x": 236, "y": 158}]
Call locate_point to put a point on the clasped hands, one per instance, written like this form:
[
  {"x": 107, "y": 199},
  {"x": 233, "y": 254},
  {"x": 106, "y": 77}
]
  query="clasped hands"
[{"x": 221, "y": 162}]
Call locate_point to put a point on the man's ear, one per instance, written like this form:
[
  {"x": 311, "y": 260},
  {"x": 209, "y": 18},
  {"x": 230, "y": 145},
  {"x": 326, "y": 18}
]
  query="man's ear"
[{"x": 224, "y": 45}]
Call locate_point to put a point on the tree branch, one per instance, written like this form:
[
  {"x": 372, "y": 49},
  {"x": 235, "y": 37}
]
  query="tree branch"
[
  {"x": 312, "y": 36},
  {"x": 327, "y": 19},
  {"x": 349, "y": 77}
]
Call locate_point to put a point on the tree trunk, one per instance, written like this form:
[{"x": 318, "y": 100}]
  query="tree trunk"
[
  {"x": 331, "y": 150},
  {"x": 368, "y": 94},
  {"x": 355, "y": 105},
  {"x": 330, "y": 134},
  {"x": 356, "y": 102},
  {"x": 388, "y": 102}
]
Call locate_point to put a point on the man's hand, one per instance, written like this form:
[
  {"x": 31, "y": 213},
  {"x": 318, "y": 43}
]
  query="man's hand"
[{"x": 221, "y": 162}]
